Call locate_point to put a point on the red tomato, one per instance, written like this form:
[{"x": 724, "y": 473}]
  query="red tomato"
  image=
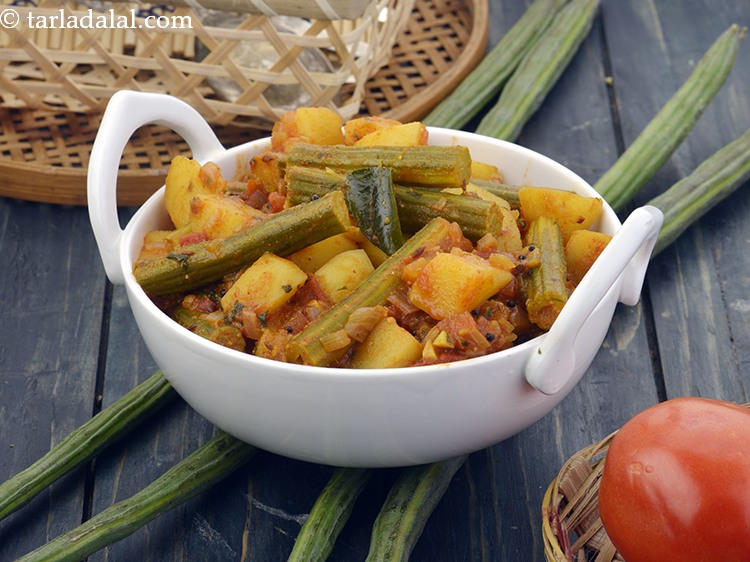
[{"x": 676, "y": 483}]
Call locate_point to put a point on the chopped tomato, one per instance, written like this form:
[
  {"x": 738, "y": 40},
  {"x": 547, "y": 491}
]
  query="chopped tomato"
[
  {"x": 191, "y": 238},
  {"x": 276, "y": 201}
]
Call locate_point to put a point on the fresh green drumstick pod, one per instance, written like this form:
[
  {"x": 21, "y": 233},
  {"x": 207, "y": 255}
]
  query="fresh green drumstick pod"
[
  {"x": 539, "y": 71},
  {"x": 407, "y": 508},
  {"x": 84, "y": 443},
  {"x": 671, "y": 125},
  {"x": 491, "y": 74},
  {"x": 690, "y": 198},
  {"x": 329, "y": 514},
  {"x": 206, "y": 466}
]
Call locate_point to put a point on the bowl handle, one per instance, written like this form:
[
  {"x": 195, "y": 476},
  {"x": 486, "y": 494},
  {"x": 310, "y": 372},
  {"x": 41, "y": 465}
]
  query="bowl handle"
[
  {"x": 552, "y": 364},
  {"x": 126, "y": 112}
]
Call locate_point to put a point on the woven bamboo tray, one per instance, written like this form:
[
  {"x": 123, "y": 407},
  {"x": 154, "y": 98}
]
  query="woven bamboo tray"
[
  {"x": 44, "y": 155},
  {"x": 572, "y": 530},
  {"x": 234, "y": 65}
]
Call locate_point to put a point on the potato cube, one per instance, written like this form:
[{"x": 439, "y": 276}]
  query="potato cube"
[
  {"x": 218, "y": 216},
  {"x": 454, "y": 283},
  {"x": 185, "y": 179},
  {"x": 581, "y": 251},
  {"x": 343, "y": 273},
  {"x": 313, "y": 257},
  {"x": 507, "y": 233},
  {"x": 265, "y": 167},
  {"x": 355, "y": 129},
  {"x": 483, "y": 194},
  {"x": 315, "y": 125},
  {"x": 407, "y": 134},
  {"x": 572, "y": 211},
  {"x": 411, "y": 270},
  {"x": 265, "y": 286},
  {"x": 387, "y": 346},
  {"x": 376, "y": 255},
  {"x": 483, "y": 171}
]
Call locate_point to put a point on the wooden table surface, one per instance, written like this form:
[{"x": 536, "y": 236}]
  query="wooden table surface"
[{"x": 69, "y": 343}]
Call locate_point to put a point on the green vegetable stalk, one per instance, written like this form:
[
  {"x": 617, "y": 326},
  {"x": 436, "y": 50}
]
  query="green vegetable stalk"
[
  {"x": 491, "y": 74},
  {"x": 407, "y": 508},
  {"x": 329, "y": 514},
  {"x": 671, "y": 125},
  {"x": 81, "y": 445},
  {"x": 282, "y": 234},
  {"x": 206, "y": 466},
  {"x": 539, "y": 71},
  {"x": 545, "y": 288},
  {"x": 713, "y": 181},
  {"x": 428, "y": 166}
]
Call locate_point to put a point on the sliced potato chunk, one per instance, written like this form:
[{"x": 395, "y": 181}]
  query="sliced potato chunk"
[
  {"x": 265, "y": 167},
  {"x": 481, "y": 193},
  {"x": 376, "y": 255},
  {"x": 457, "y": 282},
  {"x": 572, "y": 211},
  {"x": 314, "y": 125},
  {"x": 158, "y": 243},
  {"x": 581, "y": 251},
  {"x": 508, "y": 234},
  {"x": 483, "y": 171},
  {"x": 265, "y": 286},
  {"x": 343, "y": 273},
  {"x": 355, "y": 129},
  {"x": 185, "y": 179},
  {"x": 387, "y": 346},
  {"x": 218, "y": 216},
  {"x": 407, "y": 134},
  {"x": 313, "y": 257}
]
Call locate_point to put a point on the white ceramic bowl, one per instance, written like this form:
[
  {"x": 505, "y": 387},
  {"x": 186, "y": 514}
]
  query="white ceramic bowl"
[{"x": 373, "y": 417}]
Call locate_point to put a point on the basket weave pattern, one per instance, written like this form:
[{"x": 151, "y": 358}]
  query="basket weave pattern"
[
  {"x": 79, "y": 69},
  {"x": 44, "y": 154},
  {"x": 571, "y": 526}
]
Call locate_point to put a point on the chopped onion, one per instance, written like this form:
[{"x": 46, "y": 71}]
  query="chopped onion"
[
  {"x": 252, "y": 327},
  {"x": 335, "y": 341},
  {"x": 363, "y": 320},
  {"x": 401, "y": 303}
]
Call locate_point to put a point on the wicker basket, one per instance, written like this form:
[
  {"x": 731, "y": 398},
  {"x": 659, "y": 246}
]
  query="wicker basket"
[
  {"x": 44, "y": 155},
  {"x": 210, "y": 59},
  {"x": 571, "y": 527},
  {"x": 572, "y": 530}
]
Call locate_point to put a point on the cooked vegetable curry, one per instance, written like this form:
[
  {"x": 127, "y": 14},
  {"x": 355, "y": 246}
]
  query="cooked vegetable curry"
[{"x": 359, "y": 245}]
